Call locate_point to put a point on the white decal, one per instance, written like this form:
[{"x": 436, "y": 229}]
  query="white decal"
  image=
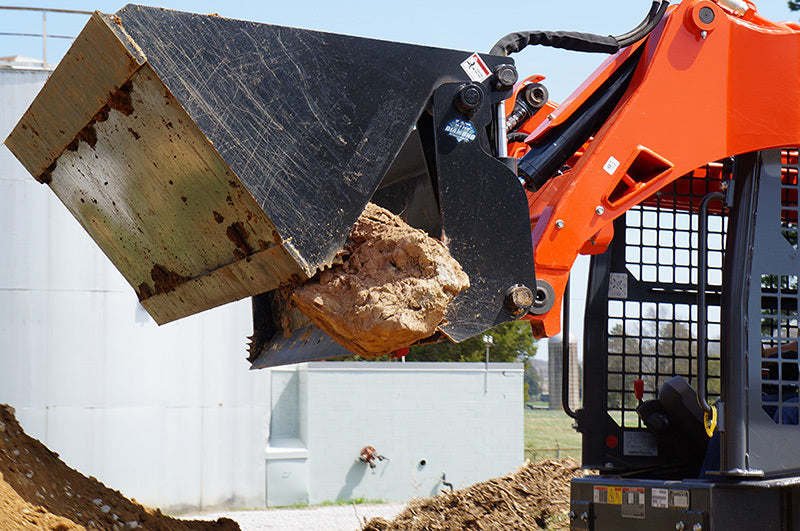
[
  {"x": 659, "y": 498},
  {"x": 611, "y": 165},
  {"x": 475, "y": 68}
]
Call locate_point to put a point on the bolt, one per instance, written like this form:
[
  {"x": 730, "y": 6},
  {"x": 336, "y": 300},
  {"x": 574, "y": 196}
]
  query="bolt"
[
  {"x": 703, "y": 34},
  {"x": 535, "y": 95},
  {"x": 468, "y": 98},
  {"x": 585, "y": 516},
  {"x": 599, "y": 210},
  {"x": 572, "y": 515},
  {"x": 697, "y": 527},
  {"x": 551, "y": 117},
  {"x": 680, "y": 526},
  {"x": 506, "y": 76},
  {"x": 518, "y": 299},
  {"x": 559, "y": 223},
  {"x": 706, "y": 15}
]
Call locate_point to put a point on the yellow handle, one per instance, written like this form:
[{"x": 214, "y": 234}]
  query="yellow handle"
[{"x": 710, "y": 425}]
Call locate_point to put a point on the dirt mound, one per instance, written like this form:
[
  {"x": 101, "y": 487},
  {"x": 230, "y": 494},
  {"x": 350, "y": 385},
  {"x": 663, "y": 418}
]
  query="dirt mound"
[
  {"x": 533, "y": 498},
  {"x": 38, "y": 491},
  {"x": 392, "y": 290}
]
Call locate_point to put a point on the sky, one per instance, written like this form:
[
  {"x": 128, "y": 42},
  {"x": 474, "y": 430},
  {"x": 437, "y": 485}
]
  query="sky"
[{"x": 457, "y": 24}]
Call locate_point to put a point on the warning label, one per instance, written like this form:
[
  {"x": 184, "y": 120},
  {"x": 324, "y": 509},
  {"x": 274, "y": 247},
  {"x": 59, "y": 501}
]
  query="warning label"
[
  {"x": 659, "y": 498},
  {"x": 475, "y": 68},
  {"x": 609, "y": 495},
  {"x": 633, "y": 505}
]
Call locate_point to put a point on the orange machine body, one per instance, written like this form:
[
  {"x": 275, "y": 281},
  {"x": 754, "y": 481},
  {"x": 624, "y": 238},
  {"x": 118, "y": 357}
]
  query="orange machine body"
[{"x": 701, "y": 92}]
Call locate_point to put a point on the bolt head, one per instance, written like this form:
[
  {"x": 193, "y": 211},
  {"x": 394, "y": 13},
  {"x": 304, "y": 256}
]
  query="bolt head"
[
  {"x": 559, "y": 223},
  {"x": 680, "y": 526},
  {"x": 697, "y": 527},
  {"x": 472, "y": 96},
  {"x": 506, "y": 76},
  {"x": 706, "y": 15},
  {"x": 599, "y": 210},
  {"x": 572, "y": 515},
  {"x": 551, "y": 116},
  {"x": 518, "y": 299}
]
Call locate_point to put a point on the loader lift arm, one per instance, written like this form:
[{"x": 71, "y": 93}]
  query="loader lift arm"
[{"x": 707, "y": 87}]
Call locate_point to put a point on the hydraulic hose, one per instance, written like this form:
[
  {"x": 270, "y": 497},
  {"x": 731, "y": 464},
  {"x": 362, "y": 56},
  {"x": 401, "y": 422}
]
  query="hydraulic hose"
[{"x": 582, "y": 42}]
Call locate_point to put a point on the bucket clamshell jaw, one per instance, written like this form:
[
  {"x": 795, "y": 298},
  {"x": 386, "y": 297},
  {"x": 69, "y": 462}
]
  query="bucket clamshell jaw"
[{"x": 213, "y": 159}]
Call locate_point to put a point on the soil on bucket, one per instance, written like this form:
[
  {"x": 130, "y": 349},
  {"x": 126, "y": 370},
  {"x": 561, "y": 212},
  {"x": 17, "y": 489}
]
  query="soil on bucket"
[
  {"x": 38, "y": 491},
  {"x": 392, "y": 290},
  {"x": 534, "y": 498}
]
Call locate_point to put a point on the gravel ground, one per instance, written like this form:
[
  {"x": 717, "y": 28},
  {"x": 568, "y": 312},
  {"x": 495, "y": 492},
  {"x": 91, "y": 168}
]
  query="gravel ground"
[{"x": 329, "y": 518}]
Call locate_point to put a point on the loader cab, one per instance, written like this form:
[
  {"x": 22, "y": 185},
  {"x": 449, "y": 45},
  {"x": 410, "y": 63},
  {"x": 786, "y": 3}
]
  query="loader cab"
[{"x": 641, "y": 425}]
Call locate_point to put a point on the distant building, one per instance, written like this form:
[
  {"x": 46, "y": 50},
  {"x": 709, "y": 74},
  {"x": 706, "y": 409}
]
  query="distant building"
[{"x": 555, "y": 372}]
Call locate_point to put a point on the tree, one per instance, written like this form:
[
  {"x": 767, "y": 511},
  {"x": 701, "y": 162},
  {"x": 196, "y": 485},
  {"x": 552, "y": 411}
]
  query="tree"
[
  {"x": 793, "y": 6},
  {"x": 513, "y": 341},
  {"x": 533, "y": 384}
]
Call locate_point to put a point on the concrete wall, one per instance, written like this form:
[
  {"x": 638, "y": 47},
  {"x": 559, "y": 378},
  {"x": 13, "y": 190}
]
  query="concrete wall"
[
  {"x": 169, "y": 415},
  {"x": 457, "y": 418}
]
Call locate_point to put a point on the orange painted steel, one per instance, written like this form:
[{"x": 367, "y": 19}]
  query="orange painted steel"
[{"x": 702, "y": 91}]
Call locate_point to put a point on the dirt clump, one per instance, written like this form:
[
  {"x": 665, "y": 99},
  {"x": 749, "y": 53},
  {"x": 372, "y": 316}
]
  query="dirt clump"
[
  {"x": 533, "y": 498},
  {"x": 392, "y": 290},
  {"x": 38, "y": 491}
]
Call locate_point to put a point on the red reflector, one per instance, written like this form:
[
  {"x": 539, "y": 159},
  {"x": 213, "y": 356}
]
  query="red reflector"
[
  {"x": 638, "y": 389},
  {"x": 612, "y": 441}
]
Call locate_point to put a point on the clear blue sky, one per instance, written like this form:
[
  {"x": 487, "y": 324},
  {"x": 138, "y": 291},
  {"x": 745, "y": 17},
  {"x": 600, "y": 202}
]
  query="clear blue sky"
[{"x": 459, "y": 24}]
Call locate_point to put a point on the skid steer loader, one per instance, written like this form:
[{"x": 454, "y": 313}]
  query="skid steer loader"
[{"x": 215, "y": 159}]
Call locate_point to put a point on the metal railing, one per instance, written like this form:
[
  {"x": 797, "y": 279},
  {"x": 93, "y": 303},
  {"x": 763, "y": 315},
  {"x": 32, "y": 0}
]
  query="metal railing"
[
  {"x": 43, "y": 35},
  {"x": 538, "y": 454}
]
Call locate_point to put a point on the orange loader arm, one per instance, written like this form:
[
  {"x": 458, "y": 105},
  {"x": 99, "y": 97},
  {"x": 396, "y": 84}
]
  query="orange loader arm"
[{"x": 715, "y": 79}]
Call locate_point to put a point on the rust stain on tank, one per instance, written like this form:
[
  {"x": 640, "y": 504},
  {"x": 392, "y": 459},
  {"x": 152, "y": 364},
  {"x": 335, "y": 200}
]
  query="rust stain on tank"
[
  {"x": 165, "y": 280},
  {"x": 238, "y": 235}
]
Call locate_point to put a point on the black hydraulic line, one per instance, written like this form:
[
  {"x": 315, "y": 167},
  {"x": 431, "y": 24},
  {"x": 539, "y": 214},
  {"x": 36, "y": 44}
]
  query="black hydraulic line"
[
  {"x": 643, "y": 24},
  {"x": 702, "y": 308},
  {"x": 627, "y": 40},
  {"x": 549, "y": 153},
  {"x": 566, "y": 40},
  {"x": 565, "y": 354},
  {"x": 581, "y": 42}
]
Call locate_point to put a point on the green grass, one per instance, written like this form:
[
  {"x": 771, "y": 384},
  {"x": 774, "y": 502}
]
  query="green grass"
[
  {"x": 328, "y": 503},
  {"x": 546, "y": 430}
]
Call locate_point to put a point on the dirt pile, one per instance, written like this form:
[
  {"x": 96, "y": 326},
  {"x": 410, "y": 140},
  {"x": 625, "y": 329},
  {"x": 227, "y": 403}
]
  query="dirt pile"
[
  {"x": 533, "y": 498},
  {"x": 392, "y": 290},
  {"x": 38, "y": 491}
]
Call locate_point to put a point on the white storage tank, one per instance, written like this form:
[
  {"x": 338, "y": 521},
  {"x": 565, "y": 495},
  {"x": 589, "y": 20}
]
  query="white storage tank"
[
  {"x": 170, "y": 415},
  {"x": 555, "y": 364}
]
